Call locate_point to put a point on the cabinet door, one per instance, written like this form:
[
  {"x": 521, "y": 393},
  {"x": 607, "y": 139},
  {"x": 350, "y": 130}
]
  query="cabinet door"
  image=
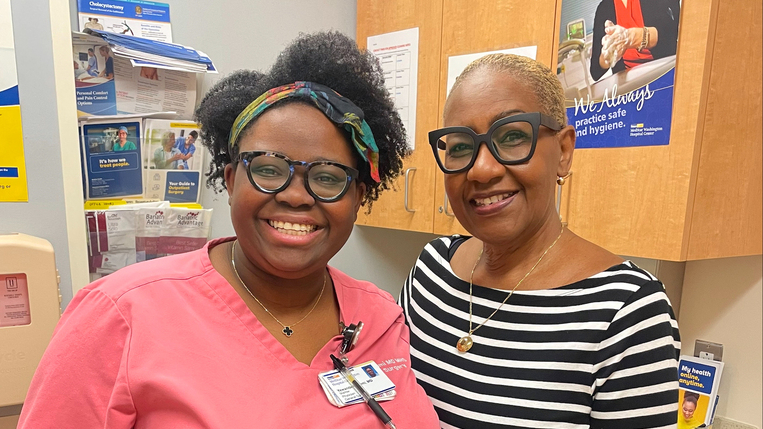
[
  {"x": 486, "y": 25},
  {"x": 385, "y": 16},
  {"x": 728, "y": 204},
  {"x": 635, "y": 201}
]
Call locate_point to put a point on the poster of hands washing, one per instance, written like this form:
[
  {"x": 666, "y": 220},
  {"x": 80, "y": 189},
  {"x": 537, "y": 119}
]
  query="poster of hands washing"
[{"x": 617, "y": 67}]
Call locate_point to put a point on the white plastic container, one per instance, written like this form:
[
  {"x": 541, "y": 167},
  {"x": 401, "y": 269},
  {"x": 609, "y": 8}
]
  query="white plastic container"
[{"x": 30, "y": 306}]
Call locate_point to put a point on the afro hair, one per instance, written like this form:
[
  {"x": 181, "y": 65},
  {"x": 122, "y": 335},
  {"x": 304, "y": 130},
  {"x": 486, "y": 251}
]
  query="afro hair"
[{"x": 328, "y": 58}]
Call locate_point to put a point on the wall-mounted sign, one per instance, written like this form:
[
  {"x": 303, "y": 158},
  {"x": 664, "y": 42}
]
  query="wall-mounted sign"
[{"x": 616, "y": 63}]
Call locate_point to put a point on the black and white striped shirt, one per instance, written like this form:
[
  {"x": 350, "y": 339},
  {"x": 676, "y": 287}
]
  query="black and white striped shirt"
[{"x": 598, "y": 353}]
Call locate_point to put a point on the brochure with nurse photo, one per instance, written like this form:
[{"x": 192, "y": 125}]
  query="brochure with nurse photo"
[
  {"x": 616, "y": 62},
  {"x": 174, "y": 159},
  {"x": 111, "y": 158},
  {"x": 698, "y": 383}
]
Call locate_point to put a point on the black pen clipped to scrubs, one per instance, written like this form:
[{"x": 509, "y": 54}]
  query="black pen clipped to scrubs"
[{"x": 375, "y": 407}]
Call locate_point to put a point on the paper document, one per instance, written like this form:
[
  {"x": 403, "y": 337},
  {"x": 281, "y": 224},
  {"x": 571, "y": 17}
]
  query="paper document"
[
  {"x": 147, "y": 19},
  {"x": 398, "y": 54},
  {"x": 174, "y": 160}
]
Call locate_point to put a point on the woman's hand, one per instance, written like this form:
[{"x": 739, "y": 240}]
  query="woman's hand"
[{"x": 616, "y": 41}]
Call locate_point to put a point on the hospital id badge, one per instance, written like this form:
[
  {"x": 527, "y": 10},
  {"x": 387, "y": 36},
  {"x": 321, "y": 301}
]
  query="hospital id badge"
[{"x": 368, "y": 374}]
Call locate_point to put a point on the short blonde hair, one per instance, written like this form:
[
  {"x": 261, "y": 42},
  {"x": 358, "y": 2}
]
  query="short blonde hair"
[{"x": 537, "y": 77}]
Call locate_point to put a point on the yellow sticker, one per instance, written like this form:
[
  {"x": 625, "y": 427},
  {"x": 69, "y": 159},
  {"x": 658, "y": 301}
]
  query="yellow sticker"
[
  {"x": 102, "y": 204},
  {"x": 184, "y": 125},
  {"x": 192, "y": 206}
]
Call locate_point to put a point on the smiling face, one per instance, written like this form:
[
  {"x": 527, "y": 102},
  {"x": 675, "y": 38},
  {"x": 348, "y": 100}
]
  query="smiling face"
[
  {"x": 122, "y": 134},
  {"x": 290, "y": 234},
  {"x": 504, "y": 203},
  {"x": 688, "y": 409}
]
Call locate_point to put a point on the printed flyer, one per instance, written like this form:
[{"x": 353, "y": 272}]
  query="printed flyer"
[
  {"x": 147, "y": 19},
  {"x": 111, "y": 154},
  {"x": 616, "y": 63},
  {"x": 698, "y": 383},
  {"x": 174, "y": 159},
  {"x": 94, "y": 77},
  {"x": 106, "y": 84},
  {"x": 13, "y": 184}
]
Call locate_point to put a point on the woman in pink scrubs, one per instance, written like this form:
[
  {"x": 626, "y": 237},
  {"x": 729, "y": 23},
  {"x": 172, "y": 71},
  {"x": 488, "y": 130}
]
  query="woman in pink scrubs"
[{"x": 236, "y": 334}]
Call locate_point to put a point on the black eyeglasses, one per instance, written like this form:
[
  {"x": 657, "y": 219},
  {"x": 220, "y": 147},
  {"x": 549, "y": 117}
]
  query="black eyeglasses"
[
  {"x": 511, "y": 140},
  {"x": 272, "y": 172}
]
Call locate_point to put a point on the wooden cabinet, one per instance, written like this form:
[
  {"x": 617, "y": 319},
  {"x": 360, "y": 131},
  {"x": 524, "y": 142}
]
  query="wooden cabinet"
[
  {"x": 698, "y": 197},
  {"x": 379, "y": 17}
]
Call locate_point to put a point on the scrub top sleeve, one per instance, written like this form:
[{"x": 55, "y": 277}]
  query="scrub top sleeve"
[{"x": 81, "y": 381}]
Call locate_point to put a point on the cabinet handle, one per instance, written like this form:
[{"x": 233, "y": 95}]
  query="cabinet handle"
[
  {"x": 445, "y": 206},
  {"x": 405, "y": 197},
  {"x": 559, "y": 198}
]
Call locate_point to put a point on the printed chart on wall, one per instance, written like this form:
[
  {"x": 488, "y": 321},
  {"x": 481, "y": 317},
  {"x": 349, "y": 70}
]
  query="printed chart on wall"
[
  {"x": 13, "y": 185},
  {"x": 147, "y": 19},
  {"x": 398, "y": 54},
  {"x": 617, "y": 66}
]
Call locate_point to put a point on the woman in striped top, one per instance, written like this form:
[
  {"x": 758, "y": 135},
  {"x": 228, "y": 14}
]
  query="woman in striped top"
[{"x": 525, "y": 324}]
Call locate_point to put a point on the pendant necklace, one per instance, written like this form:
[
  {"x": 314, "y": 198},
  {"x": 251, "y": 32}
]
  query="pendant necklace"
[
  {"x": 465, "y": 343},
  {"x": 287, "y": 329}
]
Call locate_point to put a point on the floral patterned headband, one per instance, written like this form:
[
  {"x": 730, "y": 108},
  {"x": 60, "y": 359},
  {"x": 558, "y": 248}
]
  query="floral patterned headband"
[{"x": 338, "y": 109}]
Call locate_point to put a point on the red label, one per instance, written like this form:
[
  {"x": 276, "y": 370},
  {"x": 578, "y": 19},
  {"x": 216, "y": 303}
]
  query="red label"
[{"x": 14, "y": 300}]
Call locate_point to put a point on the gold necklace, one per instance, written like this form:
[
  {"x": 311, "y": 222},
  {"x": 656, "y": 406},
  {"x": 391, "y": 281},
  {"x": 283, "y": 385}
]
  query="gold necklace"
[
  {"x": 287, "y": 329},
  {"x": 465, "y": 343}
]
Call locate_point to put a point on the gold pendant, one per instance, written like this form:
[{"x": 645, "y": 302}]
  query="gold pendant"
[{"x": 464, "y": 344}]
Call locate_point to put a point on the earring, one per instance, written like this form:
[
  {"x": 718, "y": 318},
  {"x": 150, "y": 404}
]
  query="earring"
[{"x": 560, "y": 180}]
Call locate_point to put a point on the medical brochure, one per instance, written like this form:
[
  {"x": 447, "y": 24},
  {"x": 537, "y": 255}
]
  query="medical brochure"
[
  {"x": 147, "y": 19},
  {"x": 108, "y": 83},
  {"x": 698, "y": 382},
  {"x": 111, "y": 158},
  {"x": 130, "y": 233},
  {"x": 173, "y": 160}
]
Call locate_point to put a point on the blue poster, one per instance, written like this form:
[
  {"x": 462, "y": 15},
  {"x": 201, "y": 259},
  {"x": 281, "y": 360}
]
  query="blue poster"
[
  {"x": 182, "y": 186},
  {"x": 616, "y": 64},
  {"x": 112, "y": 159}
]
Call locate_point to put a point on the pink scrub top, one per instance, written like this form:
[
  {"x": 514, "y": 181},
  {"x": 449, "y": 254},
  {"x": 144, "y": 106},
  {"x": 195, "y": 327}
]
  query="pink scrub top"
[{"x": 168, "y": 343}]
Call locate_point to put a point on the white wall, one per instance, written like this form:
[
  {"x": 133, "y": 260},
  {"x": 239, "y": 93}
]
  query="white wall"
[
  {"x": 722, "y": 302},
  {"x": 381, "y": 256},
  {"x": 49, "y": 123}
]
